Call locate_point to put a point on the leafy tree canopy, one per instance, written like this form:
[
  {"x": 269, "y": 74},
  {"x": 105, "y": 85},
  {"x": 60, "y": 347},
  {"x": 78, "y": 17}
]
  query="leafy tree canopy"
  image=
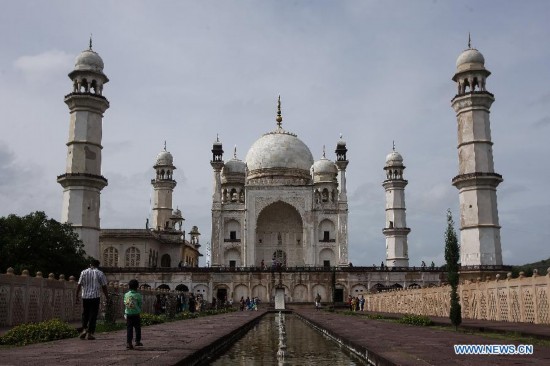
[{"x": 36, "y": 243}]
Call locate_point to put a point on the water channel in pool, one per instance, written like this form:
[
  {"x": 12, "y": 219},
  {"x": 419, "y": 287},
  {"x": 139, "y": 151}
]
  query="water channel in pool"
[{"x": 296, "y": 344}]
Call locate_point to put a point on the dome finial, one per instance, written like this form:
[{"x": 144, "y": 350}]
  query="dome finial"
[
  {"x": 393, "y": 142},
  {"x": 164, "y": 145},
  {"x": 217, "y": 138},
  {"x": 324, "y": 157},
  {"x": 469, "y": 40},
  {"x": 235, "y": 152},
  {"x": 90, "y": 41},
  {"x": 279, "y": 118}
]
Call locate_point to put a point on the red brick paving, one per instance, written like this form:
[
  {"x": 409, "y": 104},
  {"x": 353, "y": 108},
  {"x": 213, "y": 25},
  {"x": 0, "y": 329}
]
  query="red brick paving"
[
  {"x": 164, "y": 344},
  {"x": 400, "y": 344}
]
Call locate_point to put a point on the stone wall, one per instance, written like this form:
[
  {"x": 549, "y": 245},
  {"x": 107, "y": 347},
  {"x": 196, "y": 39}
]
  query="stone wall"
[
  {"x": 25, "y": 299},
  {"x": 522, "y": 299}
]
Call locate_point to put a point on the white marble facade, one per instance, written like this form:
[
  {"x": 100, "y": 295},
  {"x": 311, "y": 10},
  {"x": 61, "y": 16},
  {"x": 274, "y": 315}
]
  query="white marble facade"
[{"x": 279, "y": 206}]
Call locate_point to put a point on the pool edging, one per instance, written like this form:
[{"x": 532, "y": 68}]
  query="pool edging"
[
  {"x": 372, "y": 358},
  {"x": 207, "y": 354}
]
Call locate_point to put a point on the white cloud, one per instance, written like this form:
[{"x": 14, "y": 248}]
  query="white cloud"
[{"x": 45, "y": 66}]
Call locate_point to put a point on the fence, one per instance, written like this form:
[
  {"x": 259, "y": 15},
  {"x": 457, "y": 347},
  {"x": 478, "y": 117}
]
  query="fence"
[
  {"x": 25, "y": 299},
  {"x": 522, "y": 299}
]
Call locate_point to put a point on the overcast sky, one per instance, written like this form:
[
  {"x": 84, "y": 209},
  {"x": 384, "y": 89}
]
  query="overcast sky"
[{"x": 375, "y": 71}]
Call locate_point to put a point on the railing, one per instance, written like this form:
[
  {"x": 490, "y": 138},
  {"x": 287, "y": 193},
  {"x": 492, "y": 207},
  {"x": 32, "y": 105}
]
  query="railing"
[
  {"x": 25, "y": 299},
  {"x": 501, "y": 298}
]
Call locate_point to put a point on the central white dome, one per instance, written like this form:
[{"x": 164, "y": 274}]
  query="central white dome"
[{"x": 279, "y": 153}]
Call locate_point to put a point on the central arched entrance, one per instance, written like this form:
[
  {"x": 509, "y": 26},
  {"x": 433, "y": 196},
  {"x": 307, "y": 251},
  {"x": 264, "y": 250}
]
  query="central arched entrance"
[{"x": 279, "y": 235}]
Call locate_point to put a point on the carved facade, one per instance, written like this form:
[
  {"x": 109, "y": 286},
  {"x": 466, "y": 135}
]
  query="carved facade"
[{"x": 278, "y": 207}]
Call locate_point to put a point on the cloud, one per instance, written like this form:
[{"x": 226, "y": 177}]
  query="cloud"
[
  {"x": 48, "y": 65},
  {"x": 18, "y": 192},
  {"x": 7, "y": 168},
  {"x": 543, "y": 122}
]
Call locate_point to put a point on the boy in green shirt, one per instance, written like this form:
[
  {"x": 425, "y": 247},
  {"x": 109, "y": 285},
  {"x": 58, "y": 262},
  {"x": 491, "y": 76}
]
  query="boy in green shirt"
[{"x": 132, "y": 309}]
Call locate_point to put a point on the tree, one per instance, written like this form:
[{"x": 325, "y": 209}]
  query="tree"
[
  {"x": 452, "y": 257},
  {"x": 36, "y": 243}
]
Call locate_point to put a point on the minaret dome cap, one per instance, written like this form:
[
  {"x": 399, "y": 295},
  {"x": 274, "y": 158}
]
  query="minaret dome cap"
[
  {"x": 394, "y": 159},
  {"x": 470, "y": 56},
  {"x": 341, "y": 142},
  {"x": 164, "y": 158},
  {"x": 89, "y": 60}
]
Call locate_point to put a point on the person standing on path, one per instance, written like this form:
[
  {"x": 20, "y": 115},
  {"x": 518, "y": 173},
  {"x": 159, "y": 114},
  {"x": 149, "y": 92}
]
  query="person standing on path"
[
  {"x": 132, "y": 308},
  {"x": 318, "y": 301},
  {"x": 91, "y": 282}
]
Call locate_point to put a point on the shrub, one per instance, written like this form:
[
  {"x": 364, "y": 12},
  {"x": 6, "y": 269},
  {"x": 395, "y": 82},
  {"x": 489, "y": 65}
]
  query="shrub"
[
  {"x": 46, "y": 331},
  {"x": 420, "y": 320},
  {"x": 150, "y": 319}
]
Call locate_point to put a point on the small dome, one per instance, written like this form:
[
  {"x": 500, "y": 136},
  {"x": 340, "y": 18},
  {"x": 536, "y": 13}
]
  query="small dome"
[
  {"x": 341, "y": 142},
  {"x": 164, "y": 158},
  {"x": 324, "y": 166},
  {"x": 88, "y": 60},
  {"x": 234, "y": 166},
  {"x": 394, "y": 159},
  {"x": 470, "y": 56}
]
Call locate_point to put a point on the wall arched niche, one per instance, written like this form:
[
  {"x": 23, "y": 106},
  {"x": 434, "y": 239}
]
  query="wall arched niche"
[{"x": 279, "y": 228}]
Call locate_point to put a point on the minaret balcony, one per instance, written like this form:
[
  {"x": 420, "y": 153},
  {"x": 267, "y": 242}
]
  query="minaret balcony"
[
  {"x": 82, "y": 179},
  {"x": 87, "y": 101},
  {"x": 476, "y": 98},
  {"x": 396, "y": 230},
  {"x": 477, "y": 179}
]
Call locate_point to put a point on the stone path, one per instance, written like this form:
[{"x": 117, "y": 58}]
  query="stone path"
[
  {"x": 397, "y": 344},
  {"x": 182, "y": 342}
]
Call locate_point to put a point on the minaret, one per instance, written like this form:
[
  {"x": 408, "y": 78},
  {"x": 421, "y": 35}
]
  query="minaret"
[
  {"x": 217, "y": 165},
  {"x": 163, "y": 186},
  {"x": 82, "y": 181},
  {"x": 396, "y": 230},
  {"x": 342, "y": 163},
  {"x": 476, "y": 180},
  {"x": 342, "y": 239}
]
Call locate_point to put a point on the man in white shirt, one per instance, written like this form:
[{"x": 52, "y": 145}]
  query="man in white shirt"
[{"x": 92, "y": 281}]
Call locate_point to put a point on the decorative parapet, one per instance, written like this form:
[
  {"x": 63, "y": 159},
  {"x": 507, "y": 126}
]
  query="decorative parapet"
[
  {"x": 25, "y": 299},
  {"x": 522, "y": 299}
]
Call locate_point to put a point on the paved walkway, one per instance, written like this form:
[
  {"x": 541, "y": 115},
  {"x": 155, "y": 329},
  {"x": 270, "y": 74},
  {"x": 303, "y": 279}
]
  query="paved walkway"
[
  {"x": 390, "y": 343},
  {"x": 182, "y": 342}
]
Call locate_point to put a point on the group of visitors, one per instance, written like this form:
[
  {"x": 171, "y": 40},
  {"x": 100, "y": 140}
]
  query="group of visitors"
[
  {"x": 248, "y": 303},
  {"x": 423, "y": 265},
  {"x": 90, "y": 284},
  {"x": 356, "y": 303}
]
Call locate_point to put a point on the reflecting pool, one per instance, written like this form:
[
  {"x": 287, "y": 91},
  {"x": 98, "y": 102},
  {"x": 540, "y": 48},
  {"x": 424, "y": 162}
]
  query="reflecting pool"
[{"x": 283, "y": 339}]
